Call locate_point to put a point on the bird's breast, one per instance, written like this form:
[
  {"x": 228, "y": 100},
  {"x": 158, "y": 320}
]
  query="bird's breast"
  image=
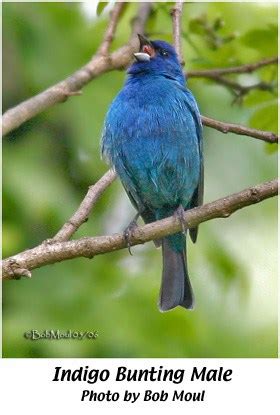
[{"x": 152, "y": 141}]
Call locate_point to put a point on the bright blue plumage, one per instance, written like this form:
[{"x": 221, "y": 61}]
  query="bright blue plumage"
[{"x": 152, "y": 136}]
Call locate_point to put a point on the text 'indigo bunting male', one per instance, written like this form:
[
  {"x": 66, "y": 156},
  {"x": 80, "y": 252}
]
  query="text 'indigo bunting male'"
[{"x": 153, "y": 138}]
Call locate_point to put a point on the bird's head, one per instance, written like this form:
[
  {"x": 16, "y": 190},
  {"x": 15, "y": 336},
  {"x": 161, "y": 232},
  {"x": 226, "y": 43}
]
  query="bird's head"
[{"x": 157, "y": 57}]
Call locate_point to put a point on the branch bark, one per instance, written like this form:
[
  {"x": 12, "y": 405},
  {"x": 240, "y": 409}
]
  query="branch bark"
[
  {"x": 218, "y": 75},
  {"x": 72, "y": 85},
  {"x": 242, "y": 89},
  {"x": 224, "y": 127},
  {"x": 176, "y": 13},
  {"x": 111, "y": 29},
  {"x": 247, "y": 68},
  {"x": 82, "y": 213},
  {"x": 50, "y": 253}
]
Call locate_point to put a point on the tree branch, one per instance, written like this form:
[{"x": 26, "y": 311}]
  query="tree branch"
[
  {"x": 176, "y": 13},
  {"x": 99, "y": 64},
  {"x": 88, "y": 247},
  {"x": 237, "y": 89},
  {"x": 224, "y": 127},
  {"x": 241, "y": 90},
  {"x": 110, "y": 32},
  {"x": 247, "y": 68},
  {"x": 96, "y": 190},
  {"x": 72, "y": 85},
  {"x": 82, "y": 213}
]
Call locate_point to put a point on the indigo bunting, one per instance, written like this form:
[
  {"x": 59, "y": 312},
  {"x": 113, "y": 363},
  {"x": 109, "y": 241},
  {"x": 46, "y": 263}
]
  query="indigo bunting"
[{"x": 152, "y": 136}]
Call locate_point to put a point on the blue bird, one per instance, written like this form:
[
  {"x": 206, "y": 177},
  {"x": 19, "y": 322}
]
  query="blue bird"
[{"x": 152, "y": 137}]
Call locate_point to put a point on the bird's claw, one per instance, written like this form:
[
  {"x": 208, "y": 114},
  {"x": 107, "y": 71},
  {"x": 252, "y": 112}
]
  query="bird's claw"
[
  {"x": 180, "y": 214},
  {"x": 128, "y": 233}
]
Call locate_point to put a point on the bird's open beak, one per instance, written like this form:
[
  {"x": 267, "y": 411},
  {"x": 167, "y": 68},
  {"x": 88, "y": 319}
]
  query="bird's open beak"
[
  {"x": 146, "y": 50},
  {"x": 142, "y": 57}
]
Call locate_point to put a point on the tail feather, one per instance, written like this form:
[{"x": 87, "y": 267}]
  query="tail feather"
[{"x": 175, "y": 286}]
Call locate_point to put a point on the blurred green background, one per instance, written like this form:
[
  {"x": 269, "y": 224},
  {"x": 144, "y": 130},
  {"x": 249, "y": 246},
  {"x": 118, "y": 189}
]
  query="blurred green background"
[{"x": 49, "y": 162}]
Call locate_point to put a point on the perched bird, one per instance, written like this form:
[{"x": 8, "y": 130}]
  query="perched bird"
[{"x": 152, "y": 137}]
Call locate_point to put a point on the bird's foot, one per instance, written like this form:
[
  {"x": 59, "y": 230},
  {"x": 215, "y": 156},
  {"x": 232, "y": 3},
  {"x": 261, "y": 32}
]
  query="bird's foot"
[
  {"x": 180, "y": 214},
  {"x": 128, "y": 232}
]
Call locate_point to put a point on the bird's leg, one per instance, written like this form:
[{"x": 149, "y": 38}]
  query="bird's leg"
[
  {"x": 128, "y": 232},
  {"x": 180, "y": 213}
]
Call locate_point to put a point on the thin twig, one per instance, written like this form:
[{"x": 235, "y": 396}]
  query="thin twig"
[
  {"x": 218, "y": 75},
  {"x": 82, "y": 213},
  {"x": 88, "y": 247},
  {"x": 176, "y": 13},
  {"x": 224, "y": 127},
  {"x": 139, "y": 21},
  {"x": 238, "y": 90},
  {"x": 247, "y": 68},
  {"x": 242, "y": 89},
  {"x": 99, "y": 64},
  {"x": 110, "y": 32}
]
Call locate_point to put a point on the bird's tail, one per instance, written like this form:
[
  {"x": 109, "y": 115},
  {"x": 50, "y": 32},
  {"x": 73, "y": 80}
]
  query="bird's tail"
[{"x": 175, "y": 285}]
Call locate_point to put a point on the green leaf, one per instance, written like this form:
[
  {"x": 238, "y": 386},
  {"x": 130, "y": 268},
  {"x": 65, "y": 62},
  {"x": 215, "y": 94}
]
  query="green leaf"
[
  {"x": 224, "y": 263},
  {"x": 196, "y": 26},
  {"x": 165, "y": 5},
  {"x": 151, "y": 23},
  {"x": 100, "y": 7},
  {"x": 218, "y": 24},
  {"x": 256, "y": 97},
  {"x": 264, "y": 40},
  {"x": 265, "y": 118},
  {"x": 124, "y": 9}
]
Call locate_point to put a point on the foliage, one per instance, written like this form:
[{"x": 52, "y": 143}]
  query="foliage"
[{"x": 50, "y": 161}]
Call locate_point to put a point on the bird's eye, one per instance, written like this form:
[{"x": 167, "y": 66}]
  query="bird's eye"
[{"x": 163, "y": 52}]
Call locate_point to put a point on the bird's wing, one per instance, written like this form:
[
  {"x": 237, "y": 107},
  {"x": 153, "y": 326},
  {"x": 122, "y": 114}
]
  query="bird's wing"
[
  {"x": 147, "y": 215},
  {"x": 128, "y": 181},
  {"x": 197, "y": 198}
]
